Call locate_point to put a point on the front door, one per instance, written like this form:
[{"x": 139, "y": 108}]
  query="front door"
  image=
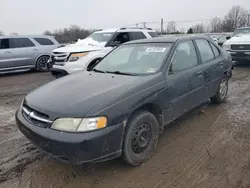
[{"x": 185, "y": 81}]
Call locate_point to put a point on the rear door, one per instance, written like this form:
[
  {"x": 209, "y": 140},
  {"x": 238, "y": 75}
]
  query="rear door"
[
  {"x": 212, "y": 63},
  {"x": 185, "y": 81},
  {"x": 25, "y": 52},
  {"x": 6, "y": 54}
]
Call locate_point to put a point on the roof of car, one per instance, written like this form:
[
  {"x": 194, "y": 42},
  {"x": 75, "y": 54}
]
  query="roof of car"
[
  {"x": 124, "y": 29},
  {"x": 166, "y": 39}
]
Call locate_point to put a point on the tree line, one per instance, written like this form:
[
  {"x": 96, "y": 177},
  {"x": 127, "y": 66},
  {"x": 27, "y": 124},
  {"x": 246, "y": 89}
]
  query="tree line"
[{"x": 236, "y": 17}]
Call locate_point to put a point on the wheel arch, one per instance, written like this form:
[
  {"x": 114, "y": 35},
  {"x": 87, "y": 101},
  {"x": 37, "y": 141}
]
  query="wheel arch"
[{"x": 153, "y": 108}]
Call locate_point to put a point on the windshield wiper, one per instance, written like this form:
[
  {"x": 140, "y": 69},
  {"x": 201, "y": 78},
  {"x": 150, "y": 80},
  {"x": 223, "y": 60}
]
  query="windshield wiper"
[
  {"x": 96, "y": 70},
  {"x": 121, "y": 73}
]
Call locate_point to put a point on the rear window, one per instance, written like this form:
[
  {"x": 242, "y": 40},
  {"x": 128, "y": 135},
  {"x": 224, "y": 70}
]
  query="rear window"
[
  {"x": 20, "y": 43},
  {"x": 44, "y": 41},
  {"x": 153, "y": 34}
]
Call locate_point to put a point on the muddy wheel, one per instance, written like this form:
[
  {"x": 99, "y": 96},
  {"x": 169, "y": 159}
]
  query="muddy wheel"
[
  {"x": 222, "y": 91},
  {"x": 41, "y": 63},
  {"x": 141, "y": 138}
]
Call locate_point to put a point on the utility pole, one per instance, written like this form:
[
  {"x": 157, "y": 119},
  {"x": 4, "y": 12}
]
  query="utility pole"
[
  {"x": 144, "y": 25},
  {"x": 162, "y": 26}
]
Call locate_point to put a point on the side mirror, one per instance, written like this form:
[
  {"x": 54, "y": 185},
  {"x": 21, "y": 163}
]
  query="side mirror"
[{"x": 228, "y": 37}]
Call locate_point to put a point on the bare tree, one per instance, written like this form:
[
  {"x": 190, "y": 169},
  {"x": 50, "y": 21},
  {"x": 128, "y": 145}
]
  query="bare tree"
[
  {"x": 71, "y": 34},
  {"x": 48, "y": 33},
  {"x": 235, "y": 18},
  {"x": 199, "y": 28},
  {"x": 171, "y": 27},
  {"x": 1, "y": 33},
  {"x": 215, "y": 25}
]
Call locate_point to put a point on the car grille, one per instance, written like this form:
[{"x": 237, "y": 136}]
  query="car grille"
[
  {"x": 59, "y": 57},
  {"x": 241, "y": 47},
  {"x": 36, "y": 118}
]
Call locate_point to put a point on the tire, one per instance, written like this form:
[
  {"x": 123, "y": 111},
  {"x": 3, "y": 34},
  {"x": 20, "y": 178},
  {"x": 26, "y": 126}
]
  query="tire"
[
  {"x": 141, "y": 137},
  {"x": 222, "y": 91},
  {"x": 41, "y": 63}
]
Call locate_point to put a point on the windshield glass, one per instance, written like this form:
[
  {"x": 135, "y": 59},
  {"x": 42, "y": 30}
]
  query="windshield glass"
[
  {"x": 135, "y": 58},
  {"x": 100, "y": 37},
  {"x": 241, "y": 31}
]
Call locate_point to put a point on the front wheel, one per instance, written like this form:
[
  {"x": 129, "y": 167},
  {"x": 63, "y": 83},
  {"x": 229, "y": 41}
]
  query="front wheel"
[
  {"x": 222, "y": 91},
  {"x": 141, "y": 137}
]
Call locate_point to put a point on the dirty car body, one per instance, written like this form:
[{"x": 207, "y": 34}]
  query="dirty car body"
[{"x": 159, "y": 81}]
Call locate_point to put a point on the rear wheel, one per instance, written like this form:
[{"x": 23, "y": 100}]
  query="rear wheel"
[
  {"x": 222, "y": 91},
  {"x": 141, "y": 138},
  {"x": 41, "y": 63}
]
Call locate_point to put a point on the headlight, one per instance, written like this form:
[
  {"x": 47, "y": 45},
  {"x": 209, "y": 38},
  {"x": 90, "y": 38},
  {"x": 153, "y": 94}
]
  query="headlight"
[
  {"x": 226, "y": 46},
  {"x": 79, "y": 124},
  {"x": 75, "y": 57}
]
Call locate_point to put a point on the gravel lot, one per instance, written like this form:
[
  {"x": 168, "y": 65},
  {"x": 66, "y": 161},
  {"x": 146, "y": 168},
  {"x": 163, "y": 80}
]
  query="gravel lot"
[{"x": 208, "y": 147}]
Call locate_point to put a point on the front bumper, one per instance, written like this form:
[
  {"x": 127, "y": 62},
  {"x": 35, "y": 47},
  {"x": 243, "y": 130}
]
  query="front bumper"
[
  {"x": 74, "y": 148},
  {"x": 240, "y": 56}
]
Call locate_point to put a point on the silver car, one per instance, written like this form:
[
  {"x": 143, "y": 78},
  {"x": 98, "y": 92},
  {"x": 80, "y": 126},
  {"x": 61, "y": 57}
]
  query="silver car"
[{"x": 25, "y": 52}]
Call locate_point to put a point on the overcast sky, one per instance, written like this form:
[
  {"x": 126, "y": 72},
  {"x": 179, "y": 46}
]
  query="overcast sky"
[{"x": 36, "y": 16}]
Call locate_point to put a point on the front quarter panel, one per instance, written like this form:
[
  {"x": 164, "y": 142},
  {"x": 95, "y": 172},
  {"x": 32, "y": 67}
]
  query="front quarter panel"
[{"x": 121, "y": 107}]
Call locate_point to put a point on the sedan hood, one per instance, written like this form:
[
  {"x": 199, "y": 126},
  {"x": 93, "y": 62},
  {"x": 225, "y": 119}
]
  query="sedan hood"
[{"x": 75, "y": 95}]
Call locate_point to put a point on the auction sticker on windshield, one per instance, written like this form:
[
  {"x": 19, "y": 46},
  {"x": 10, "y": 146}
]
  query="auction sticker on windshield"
[{"x": 155, "y": 49}]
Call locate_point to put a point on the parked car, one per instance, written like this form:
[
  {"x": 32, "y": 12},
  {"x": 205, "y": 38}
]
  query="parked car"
[
  {"x": 25, "y": 52},
  {"x": 239, "y": 45},
  {"x": 223, "y": 39},
  {"x": 84, "y": 53},
  {"x": 120, "y": 106}
]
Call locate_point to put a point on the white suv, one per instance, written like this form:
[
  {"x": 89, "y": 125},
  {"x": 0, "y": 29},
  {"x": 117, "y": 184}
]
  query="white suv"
[
  {"x": 239, "y": 45},
  {"x": 87, "y": 52}
]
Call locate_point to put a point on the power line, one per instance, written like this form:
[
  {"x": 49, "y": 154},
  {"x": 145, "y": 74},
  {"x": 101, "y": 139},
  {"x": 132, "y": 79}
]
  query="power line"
[{"x": 181, "y": 21}]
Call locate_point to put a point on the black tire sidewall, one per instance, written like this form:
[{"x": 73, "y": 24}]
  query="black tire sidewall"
[
  {"x": 128, "y": 154},
  {"x": 219, "y": 95}
]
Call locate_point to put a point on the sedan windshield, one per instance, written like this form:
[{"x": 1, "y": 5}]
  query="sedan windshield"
[
  {"x": 241, "y": 31},
  {"x": 100, "y": 37},
  {"x": 135, "y": 59}
]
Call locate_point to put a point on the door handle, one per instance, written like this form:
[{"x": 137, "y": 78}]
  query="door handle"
[
  {"x": 221, "y": 63},
  {"x": 8, "y": 52}
]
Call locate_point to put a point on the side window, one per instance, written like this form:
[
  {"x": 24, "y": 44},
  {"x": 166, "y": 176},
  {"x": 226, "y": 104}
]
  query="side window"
[
  {"x": 215, "y": 50},
  {"x": 137, "y": 35},
  {"x": 122, "y": 38},
  {"x": 44, "y": 41},
  {"x": 184, "y": 57},
  {"x": 20, "y": 43},
  {"x": 153, "y": 34},
  {"x": 205, "y": 50},
  {"x": 4, "y": 44}
]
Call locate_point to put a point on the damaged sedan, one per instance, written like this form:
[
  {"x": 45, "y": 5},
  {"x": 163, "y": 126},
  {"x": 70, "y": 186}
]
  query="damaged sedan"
[{"x": 119, "y": 107}]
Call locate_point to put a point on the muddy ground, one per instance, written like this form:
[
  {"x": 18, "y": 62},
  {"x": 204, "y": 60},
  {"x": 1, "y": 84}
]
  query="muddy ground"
[{"x": 209, "y": 149}]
